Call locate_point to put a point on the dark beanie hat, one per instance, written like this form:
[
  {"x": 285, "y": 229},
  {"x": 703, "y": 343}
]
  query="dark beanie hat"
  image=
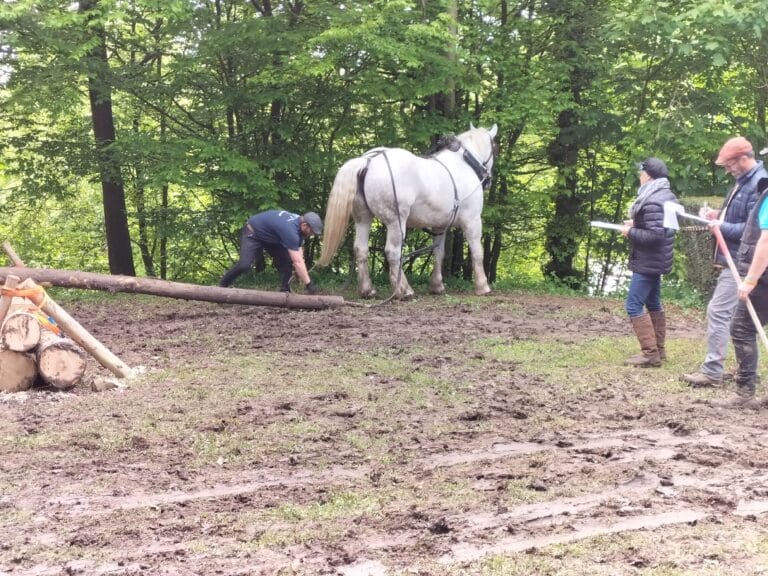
[{"x": 654, "y": 167}]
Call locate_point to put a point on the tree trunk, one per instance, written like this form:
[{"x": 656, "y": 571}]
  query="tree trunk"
[
  {"x": 60, "y": 361},
  {"x": 17, "y": 371},
  {"x": 113, "y": 191},
  {"x": 92, "y": 281}
]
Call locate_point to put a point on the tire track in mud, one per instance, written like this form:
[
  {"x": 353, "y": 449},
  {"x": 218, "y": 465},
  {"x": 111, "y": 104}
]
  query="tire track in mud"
[
  {"x": 519, "y": 528},
  {"x": 108, "y": 504}
]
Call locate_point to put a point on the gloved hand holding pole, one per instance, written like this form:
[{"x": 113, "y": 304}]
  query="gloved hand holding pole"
[{"x": 671, "y": 212}]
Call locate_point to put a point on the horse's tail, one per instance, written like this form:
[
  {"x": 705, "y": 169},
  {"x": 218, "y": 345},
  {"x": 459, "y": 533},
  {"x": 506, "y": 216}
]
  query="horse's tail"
[{"x": 339, "y": 208}]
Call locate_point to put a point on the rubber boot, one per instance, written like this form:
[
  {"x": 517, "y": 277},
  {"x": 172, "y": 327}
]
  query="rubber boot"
[
  {"x": 659, "y": 321},
  {"x": 646, "y": 335}
]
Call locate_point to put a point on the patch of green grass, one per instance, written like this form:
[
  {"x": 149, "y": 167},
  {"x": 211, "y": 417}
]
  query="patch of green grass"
[
  {"x": 574, "y": 367},
  {"x": 337, "y": 506}
]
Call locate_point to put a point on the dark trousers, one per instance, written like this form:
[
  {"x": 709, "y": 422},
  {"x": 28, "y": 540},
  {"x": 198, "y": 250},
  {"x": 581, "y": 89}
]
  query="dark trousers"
[
  {"x": 744, "y": 336},
  {"x": 252, "y": 248}
]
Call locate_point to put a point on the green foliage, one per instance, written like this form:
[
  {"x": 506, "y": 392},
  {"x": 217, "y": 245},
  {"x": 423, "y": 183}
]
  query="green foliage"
[{"x": 224, "y": 112}]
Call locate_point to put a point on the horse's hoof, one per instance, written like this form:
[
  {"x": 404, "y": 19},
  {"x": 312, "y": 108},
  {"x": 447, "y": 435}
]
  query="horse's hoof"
[
  {"x": 404, "y": 296},
  {"x": 482, "y": 292},
  {"x": 368, "y": 294},
  {"x": 437, "y": 291}
]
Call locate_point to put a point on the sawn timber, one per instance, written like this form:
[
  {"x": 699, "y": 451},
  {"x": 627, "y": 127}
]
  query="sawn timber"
[{"x": 168, "y": 289}]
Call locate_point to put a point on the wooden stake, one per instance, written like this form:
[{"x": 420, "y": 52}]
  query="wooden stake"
[{"x": 11, "y": 282}]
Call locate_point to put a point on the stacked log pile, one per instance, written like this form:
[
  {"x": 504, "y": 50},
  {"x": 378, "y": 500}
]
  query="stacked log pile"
[{"x": 32, "y": 348}]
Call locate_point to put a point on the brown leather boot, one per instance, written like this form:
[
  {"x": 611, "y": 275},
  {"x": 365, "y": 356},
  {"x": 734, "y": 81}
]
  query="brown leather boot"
[
  {"x": 743, "y": 399},
  {"x": 646, "y": 335},
  {"x": 659, "y": 321}
]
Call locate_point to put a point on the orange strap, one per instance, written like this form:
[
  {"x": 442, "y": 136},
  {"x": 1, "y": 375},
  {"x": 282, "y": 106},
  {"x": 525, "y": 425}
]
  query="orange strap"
[
  {"x": 45, "y": 321},
  {"x": 35, "y": 293}
]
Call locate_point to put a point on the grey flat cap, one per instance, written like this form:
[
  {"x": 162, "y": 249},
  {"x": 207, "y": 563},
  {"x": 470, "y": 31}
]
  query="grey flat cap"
[{"x": 314, "y": 221}]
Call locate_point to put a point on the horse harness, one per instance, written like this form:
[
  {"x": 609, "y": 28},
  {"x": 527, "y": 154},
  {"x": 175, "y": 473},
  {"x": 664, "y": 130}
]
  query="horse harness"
[{"x": 480, "y": 169}]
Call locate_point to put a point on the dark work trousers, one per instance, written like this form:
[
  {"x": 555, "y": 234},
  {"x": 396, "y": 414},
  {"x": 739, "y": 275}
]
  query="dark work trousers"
[
  {"x": 250, "y": 249},
  {"x": 744, "y": 336}
]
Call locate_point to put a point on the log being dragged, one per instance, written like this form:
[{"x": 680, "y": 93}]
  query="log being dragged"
[
  {"x": 179, "y": 290},
  {"x": 60, "y": 361},
  {"x": 18, "y": 371},
  {"x": 20, "y": 332}
]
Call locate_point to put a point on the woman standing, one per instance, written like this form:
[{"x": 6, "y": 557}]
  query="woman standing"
[{"x": 650, "y": 255}]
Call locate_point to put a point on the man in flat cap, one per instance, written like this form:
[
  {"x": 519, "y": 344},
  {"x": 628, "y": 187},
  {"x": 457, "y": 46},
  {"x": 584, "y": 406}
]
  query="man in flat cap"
[
  {"x": 738, "y": 159},
  {"x": 281, "y": 233}
]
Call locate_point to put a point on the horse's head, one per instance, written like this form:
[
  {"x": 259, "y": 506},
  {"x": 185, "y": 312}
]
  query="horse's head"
[{"x": 480, "y": 150}]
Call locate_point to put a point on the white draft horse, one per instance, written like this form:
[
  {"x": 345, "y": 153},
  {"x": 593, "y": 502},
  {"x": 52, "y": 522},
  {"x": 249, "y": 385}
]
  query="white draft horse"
[{"x": 407, "y": 191}]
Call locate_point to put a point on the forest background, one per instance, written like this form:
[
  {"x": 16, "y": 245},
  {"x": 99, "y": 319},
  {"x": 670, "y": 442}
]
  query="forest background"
[{"x": 138, "y": 135}]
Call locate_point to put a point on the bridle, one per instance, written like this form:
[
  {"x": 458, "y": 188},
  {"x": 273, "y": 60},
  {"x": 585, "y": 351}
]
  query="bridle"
[{"x": 481, "y": 169}]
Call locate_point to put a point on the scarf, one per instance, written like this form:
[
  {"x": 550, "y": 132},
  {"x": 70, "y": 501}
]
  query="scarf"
[{"x": 645, "y": 192}]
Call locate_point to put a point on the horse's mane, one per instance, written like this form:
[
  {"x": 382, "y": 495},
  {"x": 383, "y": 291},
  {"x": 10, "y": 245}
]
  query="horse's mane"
[{"x": 446, "y": 141}]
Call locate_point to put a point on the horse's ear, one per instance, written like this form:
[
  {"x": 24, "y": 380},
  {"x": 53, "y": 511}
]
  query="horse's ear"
[
  {"x": 493, "y": 131},
  {"x": 471, "y": 126}
]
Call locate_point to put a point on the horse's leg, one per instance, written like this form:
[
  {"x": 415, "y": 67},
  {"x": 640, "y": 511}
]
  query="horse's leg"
[
  {"x": 436, "y": 285},
  {"x": 362, "y": 235},
  {"x": 394, "y": 252},
  {"x": 473, "y": 233}
]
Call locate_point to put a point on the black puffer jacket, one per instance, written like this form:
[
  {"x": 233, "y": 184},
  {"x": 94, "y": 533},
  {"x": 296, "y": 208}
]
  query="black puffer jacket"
[{"x": 650, "y": 244}]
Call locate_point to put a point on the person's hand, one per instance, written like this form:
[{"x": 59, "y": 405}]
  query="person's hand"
[
  {"x": 311, "y": 288},
  {"x": 745, "y": 288},
  {"x": 708, "y": 213},
  {"x": 625, "y": 231}
]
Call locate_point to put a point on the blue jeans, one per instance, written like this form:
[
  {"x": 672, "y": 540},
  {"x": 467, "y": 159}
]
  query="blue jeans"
[{"x": 644, "y": 292}]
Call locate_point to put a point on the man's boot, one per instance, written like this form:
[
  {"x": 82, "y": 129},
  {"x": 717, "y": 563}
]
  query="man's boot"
[
  {"x": 646, "y": 335},
  {"x": 743, "y": 399},
  {"x": 701, "y": 380},
  {"x": 659, "y": 321}
]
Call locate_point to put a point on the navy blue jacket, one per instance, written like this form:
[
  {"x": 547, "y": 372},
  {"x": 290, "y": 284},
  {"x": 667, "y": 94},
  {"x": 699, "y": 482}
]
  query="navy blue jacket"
[
  {"x": 651, "y": 245},
  {"x": 737, "y": 208},
  {"x": 277, "y": 227}
]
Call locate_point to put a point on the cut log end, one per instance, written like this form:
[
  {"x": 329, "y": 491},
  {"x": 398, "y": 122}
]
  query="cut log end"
[
  {"x": 21, "y": 332},
  {"x": 17, "y": 371},
  {"x": 60, "y": 361}
]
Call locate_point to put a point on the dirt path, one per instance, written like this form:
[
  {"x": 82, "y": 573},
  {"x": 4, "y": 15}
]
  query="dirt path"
[{"x": 385, "y": 440}]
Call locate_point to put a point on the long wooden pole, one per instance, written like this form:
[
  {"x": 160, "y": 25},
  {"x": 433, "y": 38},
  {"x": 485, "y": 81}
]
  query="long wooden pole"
[{"x": 179, "y": 290}]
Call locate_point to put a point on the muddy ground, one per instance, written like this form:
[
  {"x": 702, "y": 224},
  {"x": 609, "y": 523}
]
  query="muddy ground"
[{"x": 450, "y": 435}]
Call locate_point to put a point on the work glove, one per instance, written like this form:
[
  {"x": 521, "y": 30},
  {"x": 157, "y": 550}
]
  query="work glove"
[{"x": 311, "y": 288}]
